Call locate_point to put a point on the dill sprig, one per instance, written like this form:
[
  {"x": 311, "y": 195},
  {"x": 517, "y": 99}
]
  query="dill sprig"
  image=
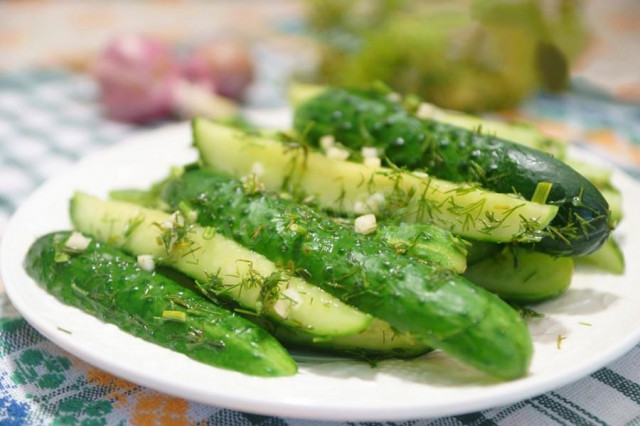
[{"x": 541, "y": 193}]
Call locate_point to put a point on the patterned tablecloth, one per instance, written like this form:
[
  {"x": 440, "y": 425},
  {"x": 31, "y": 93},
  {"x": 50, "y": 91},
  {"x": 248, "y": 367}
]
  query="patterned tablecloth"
[{"x": 50, "y": 119}]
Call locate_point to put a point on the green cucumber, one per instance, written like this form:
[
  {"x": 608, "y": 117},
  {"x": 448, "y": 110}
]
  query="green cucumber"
[
  {"x": 110, "y": 285},
  {"x": 222, "y": 267},
  {"x": 520, "y": 133},
  {"x": 479, "y": 250},
  {"x": 440, "y": 308},
  {"x": 522, "y": 275},
  {"x": 608, "y": 258},
  {"x": 348, "y": 187},
  {"x": 427, "y": 243},
  {"x": 422, "y": 241},
  {"x": 376, "y": 342},
  {"x": 360, "y": 119}
]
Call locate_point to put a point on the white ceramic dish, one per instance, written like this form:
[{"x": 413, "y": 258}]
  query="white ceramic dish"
[{"x": 598, "y": 318}]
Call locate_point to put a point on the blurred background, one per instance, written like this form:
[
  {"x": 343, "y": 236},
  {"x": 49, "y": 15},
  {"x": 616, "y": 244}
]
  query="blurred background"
[
  {"x": 475, "y": 55},
  {"x": 572, "y": 68}
]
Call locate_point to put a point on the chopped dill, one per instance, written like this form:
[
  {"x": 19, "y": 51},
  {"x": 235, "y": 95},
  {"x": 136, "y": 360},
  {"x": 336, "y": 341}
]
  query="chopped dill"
[
  {"x": 178, "y": 316},
  {"x": 541, "y": 193},
  {"x": 209, "y": 233}
]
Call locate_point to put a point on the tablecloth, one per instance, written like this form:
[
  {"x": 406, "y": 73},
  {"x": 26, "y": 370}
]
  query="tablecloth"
[{"x": 49, "y": 119}]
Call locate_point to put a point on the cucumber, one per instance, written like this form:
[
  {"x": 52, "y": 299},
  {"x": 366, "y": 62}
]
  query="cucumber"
[
  {"x": 348, "y": 187},
  {"x": 110, "y": 285},
  {"x": 519, "y": 133},
  {"x": 522, "y": 275},
  {"x": 222, "y": 267},
  {"x": 376, "y": 342},
  {"x": 479, "y": 250},
  {"x": 427, "y": 243},
  {"x": 422, "y": 241},
  {"x": 608, "y": 258},
  {"x": 440, "y": 308},
  {"x": 365, "y": 119}
]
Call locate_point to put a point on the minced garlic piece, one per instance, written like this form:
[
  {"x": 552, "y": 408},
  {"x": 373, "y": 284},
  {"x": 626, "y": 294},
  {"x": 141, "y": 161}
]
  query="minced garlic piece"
[
  {"x": 146, "y": 262},
  {"x": 373, "y": 162},
  {"x": 327, "y": 141},
  {"x": 369, "y": 151},
  {"x": 257, "y": 169},
  {"x": 336, "y": 153},
  {"x": 77, "y": 242},
  {"x": 288, "y": 299},
  {"x": 376, "y": 201},
  {"x": 366, "y": 224}
]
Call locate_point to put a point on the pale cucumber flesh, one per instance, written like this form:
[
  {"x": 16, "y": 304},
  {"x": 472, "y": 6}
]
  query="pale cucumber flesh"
[
  {"x": 346, "y": 187},
  {"x": 206, "y": 256}
]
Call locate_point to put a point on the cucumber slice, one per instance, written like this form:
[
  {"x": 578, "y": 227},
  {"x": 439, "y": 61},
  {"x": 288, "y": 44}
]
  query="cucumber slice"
[
  {"x": 608, "y": 258},
  {"x": 110, "y": 285},
  {"x": 220, "y": 265},
  {"x": 378, "y": 341},
  {"x": 349, "y": 187},
  {"x": 479, "y": 250},
  {"x": 522, "y": 275},
  {"x": 443, "y": 309},
  {"x": 520, "y": 133},
  {"x": 369, "y": 120}
]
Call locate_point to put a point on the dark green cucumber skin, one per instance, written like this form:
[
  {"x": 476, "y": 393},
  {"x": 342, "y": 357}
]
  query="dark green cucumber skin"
[
  {"x": 359, "y": 118},
  {"x": 109, "y": 285},
  {"x": 481, "y": 250},
  {"x": 443, "y": 309}
]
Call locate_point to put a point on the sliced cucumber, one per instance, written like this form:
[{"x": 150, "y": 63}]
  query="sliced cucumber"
[
  {"x": 522, "y": 275},
  {"x": 220, "y": 265},
  {"x": 109, "y": 285},
  {"x": 480, "y": 250},
  {"x": 378, "y": 341},
  {"x": 349, "y": 187},
  {"x": 608, "y": 258},
  {"x": 441, "y": 308},
  {"x": 520, "y": 133},
  {"x": 369, "y": 120}
]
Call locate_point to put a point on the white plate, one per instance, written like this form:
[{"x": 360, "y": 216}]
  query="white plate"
[{"x": 598, "y": 317}]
